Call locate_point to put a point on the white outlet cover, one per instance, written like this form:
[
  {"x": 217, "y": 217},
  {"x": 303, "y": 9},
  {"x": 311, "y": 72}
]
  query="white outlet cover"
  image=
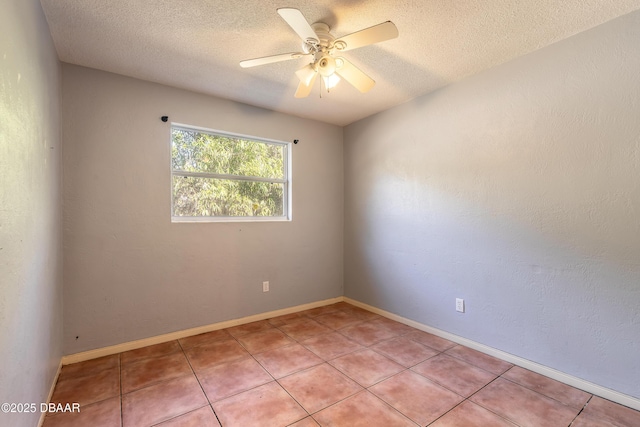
[
  {"x": 265, "y": 286},
  {"x": 460, "y": 305}
]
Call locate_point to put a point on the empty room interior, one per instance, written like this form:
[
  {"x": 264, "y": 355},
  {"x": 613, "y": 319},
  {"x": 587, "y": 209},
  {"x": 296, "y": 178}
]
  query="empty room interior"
[{"x": 468, "y": 193}]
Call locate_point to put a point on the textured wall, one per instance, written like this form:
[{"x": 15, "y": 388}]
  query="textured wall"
[
  {"x": 129, "y": 272},
  {"x": 518, "y": 190},
  {"x": 30, "y": 210}
]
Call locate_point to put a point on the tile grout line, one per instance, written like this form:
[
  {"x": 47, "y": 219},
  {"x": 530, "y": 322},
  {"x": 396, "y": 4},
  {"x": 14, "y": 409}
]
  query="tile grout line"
[
  {"x": 370, "y": 347},
  {"x": 408, "y": 369},
  {"x": 121, "y": 405},
  {"x": 466, "y": 399},
  {"x": 76, "y": 377},
  {"x": 162, "y": 381},
  {"x": 487, "y": 409},
  {"x": 324, "y": 361},
  {"x": 293, "y": 373},
  {"x": 120, "y": 366},
  {"x": 340, "y": 331},
  {"x": 581, "y": 410},
  {"x": 450, "y": 409},
  {"x": 389, "y": 404},
  {"x": 199, "y": 383},
  {"x": 498, "y": 376},
  {"x": 274, "y": 378},
  {"x": 384, "y": 379},
  {"x": 544, "y": 395},
  {"x": 520, "y": 385},
  {"x": 333, "y": 330}
]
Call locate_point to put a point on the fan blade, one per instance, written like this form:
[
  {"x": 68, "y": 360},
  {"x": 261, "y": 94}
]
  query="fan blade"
[
  {"x": 376, "y": 34},
  {"x": 305, "y": 89},
  {"x": 270, "y": 59},
  {"x": 298, "y": 23},
  {"x": 305, "y": 74},
  {"x": 354, "y": 75}
]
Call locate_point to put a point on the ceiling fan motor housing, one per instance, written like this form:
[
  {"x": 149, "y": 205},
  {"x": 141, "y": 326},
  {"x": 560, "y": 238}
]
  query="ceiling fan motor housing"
[
  {"x": 324, "y": 63},
  {"x": 321, "y": 45},
  {"x": 322, "y": 31}
]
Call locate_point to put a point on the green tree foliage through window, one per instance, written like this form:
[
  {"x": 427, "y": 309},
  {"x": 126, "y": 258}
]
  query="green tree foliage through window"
[{"x": 226, "y": 176}]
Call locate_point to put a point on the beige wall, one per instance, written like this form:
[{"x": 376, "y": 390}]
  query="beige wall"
[
  {"x": 129, "y": 272},
  {"x": 30, "y": 209},
  {"x": 518, "y": 190}
]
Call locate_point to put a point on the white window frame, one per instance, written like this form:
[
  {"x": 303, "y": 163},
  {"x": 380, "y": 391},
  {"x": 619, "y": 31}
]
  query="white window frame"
[{"x": 286, "y": 208}]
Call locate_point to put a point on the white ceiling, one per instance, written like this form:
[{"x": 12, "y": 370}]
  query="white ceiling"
[{"x": 197, "y": 44}]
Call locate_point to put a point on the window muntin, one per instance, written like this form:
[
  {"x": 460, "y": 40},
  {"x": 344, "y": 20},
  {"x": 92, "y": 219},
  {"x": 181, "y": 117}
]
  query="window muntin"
[{"x": 218, "y": 176}]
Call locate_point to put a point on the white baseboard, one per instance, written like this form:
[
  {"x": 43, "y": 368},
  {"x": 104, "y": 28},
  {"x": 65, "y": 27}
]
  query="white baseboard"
[
  {"x": 132, "y": 345},
  {"x": 51, "y": 389},
  {"x": 576, "y": 382},
  {"x": 587, "y": 386}
]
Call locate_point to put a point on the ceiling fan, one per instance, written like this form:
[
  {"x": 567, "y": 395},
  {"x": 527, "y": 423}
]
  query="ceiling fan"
[{"x": 324, "y": 51}]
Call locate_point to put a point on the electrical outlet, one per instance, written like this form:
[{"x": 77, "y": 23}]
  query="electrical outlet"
[
  {"x": 460, "y": 305},
  {"x": 265, "y": 286}
]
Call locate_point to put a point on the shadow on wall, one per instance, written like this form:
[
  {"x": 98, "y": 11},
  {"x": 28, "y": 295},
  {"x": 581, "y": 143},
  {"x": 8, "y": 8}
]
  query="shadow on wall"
[
  {"x": 516, "y": 189},
  {"x": 526, "y": 294}
]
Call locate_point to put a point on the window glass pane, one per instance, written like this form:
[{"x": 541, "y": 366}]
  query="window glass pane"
[
  {"x": 194, "y": 151},
  {"x": 194, "y": 196}
]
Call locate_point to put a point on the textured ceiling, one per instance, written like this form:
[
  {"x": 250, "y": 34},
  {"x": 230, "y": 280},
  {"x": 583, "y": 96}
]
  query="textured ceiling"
[{"x": 197, "y": 44}]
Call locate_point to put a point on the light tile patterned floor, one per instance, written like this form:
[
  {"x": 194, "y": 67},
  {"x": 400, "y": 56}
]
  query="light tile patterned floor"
[{"x": 334, "y": 366}]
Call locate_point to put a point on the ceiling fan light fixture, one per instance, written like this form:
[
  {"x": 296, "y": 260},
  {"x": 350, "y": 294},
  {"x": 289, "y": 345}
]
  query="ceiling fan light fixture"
[
  {"x": 331, "y": 81},
  {"x": 321, "y": 45},
  {"x": 306, "y": 74},
  {"x": 326, "y": 66}
]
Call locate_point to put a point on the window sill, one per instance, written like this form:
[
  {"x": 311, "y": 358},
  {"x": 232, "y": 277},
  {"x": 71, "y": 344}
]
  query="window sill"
[{"x": 180, "y": 219}]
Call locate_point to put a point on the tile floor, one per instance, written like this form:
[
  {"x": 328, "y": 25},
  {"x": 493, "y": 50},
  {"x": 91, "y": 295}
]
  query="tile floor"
[{"x": 337, "y": 365}]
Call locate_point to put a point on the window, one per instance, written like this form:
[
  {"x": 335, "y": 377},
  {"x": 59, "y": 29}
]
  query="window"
[{"x": 219, "y": 176}]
